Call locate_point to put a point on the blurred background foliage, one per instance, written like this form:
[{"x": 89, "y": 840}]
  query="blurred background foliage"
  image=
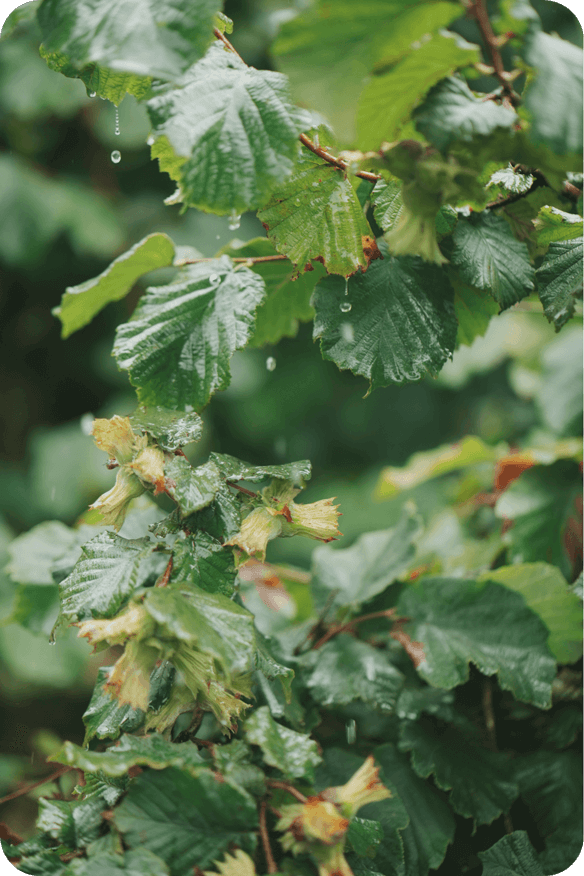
[{"x": 65, "y": 212}]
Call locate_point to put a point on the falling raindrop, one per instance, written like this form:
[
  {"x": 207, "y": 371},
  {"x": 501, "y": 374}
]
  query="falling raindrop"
[
  {"x": 214, "y": 279},
  {"x": 91, "y": 93},
  {"x": 116, "y": 156},
  {"x": 234, "y": 221},
  {"x": 345, "y": 306},
  {"x": 117, "y": 126},
  {"x": 346, "y": 285},
  {"x": 86, "y": 424},
  {"x": 217, "y": 237},
  {"x": 150, "y": 140},
  {"x": 270, "y": 363},
  {"x": 351, "y": 731}
]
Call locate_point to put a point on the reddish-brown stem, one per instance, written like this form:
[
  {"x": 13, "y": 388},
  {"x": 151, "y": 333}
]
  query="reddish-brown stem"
[
  {"x": 165, "y": 577},
  {"x": 225, "y": 41},
  {"x": 478, "y": 10},
  {"x": 241, "y": 489},
  {"x": 254, "y": 259},
  {"x": 52, "y": 778},
  {"x": 270, "y": 862},
  {"x": 284, "y": 786},
  {"x": 336, "y": 162},
  {"x": 340, "y": 628}
]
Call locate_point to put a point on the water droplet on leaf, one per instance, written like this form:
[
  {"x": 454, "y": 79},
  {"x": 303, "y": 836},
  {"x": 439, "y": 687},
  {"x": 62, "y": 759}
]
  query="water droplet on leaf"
[
  {"x": 116, "y": 156},
  {"x": 345, "y": 306},
  {"x": 91, "y": 93},
  {"x": 214, "y": 279},
  {"x": 117, "y": 127},
  {"x": 270, "y": 363},
  {"x": 351, "y": 731},
  {"x": 234, "y": 221}
]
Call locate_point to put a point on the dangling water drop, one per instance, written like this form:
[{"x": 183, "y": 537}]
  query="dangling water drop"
[
  {"x": 270, "y": 363},
  {"x": 116, "y": 156},
  {"x": 316, "y": 140},
  {"x": 117, "y": 126},
  {"x": 351, "y": 731},
  {"x": 91, "y": 93},
  {"x": 150, "y": 140},
  {"x": 214, "y": 279},
  {"x": 234, "y": 221},
  {"x": 346, "y": 285},
  {"x": 345, "y": 306}
]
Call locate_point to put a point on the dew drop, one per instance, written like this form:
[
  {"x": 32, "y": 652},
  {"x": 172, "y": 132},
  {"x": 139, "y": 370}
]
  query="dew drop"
[
  {"x": 214, "y": 279},
  {"x": 234, "y": 221},
  {"x": 345, "y": 306},
  {"x": 351, "y": 731},
  {"x": 270, "y": 363},
  {"x": 297, "y": 202},
  {"x": 117, "y": 126},
  {"x": 116, "y": 156},
  {"x": 346, "y": 285},
  {"x": 91, "y": 93},
  {"x": 150, "y": 140}
]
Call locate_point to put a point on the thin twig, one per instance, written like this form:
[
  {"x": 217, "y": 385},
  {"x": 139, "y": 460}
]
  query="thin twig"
[
  {"x": 270, "y": 862},
  {"x": 340, "y": 628},
  {"x": 284, "y": 786},
  {"x": 478, "y": 10},
  {"x": 223, "y": 38},
  {"x": 45, "y": 781},
  {"x": 241, "y": 489},
  {"x": 491, "y": 727},
  {"x": 253, "y": 259}
]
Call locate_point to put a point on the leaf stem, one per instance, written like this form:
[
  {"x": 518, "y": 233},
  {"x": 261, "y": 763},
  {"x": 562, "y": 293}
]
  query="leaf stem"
[
  {"x": 339, "y": 628},
  {"x": 254, "y": 259},
  {"x": 21, "y": 791},
  {"x": 241, "y": 489},
  {"x": 270, "y": 862},
  {"x": 223, "y": 38},
  {"x": 285, "y": 786},
  {"x": 478, "y": 10}
]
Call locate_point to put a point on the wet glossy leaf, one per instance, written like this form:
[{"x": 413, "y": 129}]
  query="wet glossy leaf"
[
  {"x": 511, "y": 856},
  {"x": 202, "y": 560},
  {"x": 108, "y": 84},
  {"x": 234, "y": 469},
  {"x": 202, "y": 318},
  {"x": 387, "y": 202},
  {"x": 294, "y": 754},
  {"x": 138, "y": 862},
  {"x": 559, "y": 280},
  {"x": 191, "y": 488},
  {"x": 460, "y": 621},
  {"x": 73, "y": 823},
  {"x": 228, "y": 135},
  {"x": 170, "y": 429},
  {"x": 152, "y": 751}
]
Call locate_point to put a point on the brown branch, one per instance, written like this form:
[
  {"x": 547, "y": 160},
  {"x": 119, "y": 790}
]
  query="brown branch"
[
  {"x": 340, "y": 628},
  {"x": 478, "y": 10},
  {"x": 241, "y": 489},
  {"x": 22, "y": 791},
  {"x": 336, "y": 162},
  {"x": 285, "y": 786},
  {"x": 270, "y": 862}
]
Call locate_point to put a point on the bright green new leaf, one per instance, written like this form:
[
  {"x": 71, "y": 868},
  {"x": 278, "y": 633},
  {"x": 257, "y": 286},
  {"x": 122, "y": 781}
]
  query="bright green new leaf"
[
  {"x": 203, "y": 561},
  {"x": 81, "y": 303},
  {"x": 553, "y": 225},
  {"x": 489, "y": 257},
  {"x": 227, "y": 135},
  {"x": 559, "y": 280},
  {"x": 477, "y": 778},
  {"x": 351, "y": 576},
  {"x": 546, "y": 591},
  {"x": 108, "y": 84},
  {"x": 191, "y": 488},
  {"x": 152, "y": 38},
  {"x": 152, "y": 751},
  {"x": 106, "y": 575},
  {"x": 432, "y": 463},
  {"x": 327, "y": 51},
  {"x": 541, "y": 502},
  {"x": 399, "y": 326},
  {"x": 234, "y": 469},
  {"x": 452, "y": 112},
  {"x": 551, "y": 787},
  {"x": 553, "y": 98},
  {"x": 387, "y": 100},
  {"x": 287, "y": 301},
  {"x": 345, "y": 670},
  {"x": 316, "y": 214},
  {"x": 186, "y": 820},
  {"x": 511, "y": 856},
  {"x": 294, "y": 754},
  {"x": 178, "y": 344},
  {"x": 170, "y": 429},
  {"x": 459, "y": 621}
]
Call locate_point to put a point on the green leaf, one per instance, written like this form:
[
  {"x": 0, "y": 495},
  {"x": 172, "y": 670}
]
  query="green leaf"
[
  {"x": 477, "y": 778},
  {"x": 35, "y": 607},
  {"x": 551, "y": 787},
  {"x": 233, "y": 469},
  {"x": 81, "y": 303},
  {"x": 152, "y": 751},
  {"x": 541, "y": 502},
  {"x": 452, "y": 112},
  {"x": 510, "y": 178},
  {"x": 191, "y": 488},
  {"x": 186, "y": 820},
  {"x": 431, "y": 823},
  {"x": 511, "y": 856},
  {"x": 559, "y": 280},
  {"x": 433, "y": 463},
  {"x": 473, "y": 308},
  {"x": 287, "y": 301},
  {"x": 545, "y": 590},
  {"x": 106, "y": 575},
  {"x": 203, "y": 561},
  {"x": 138, "y": 862},
  {"x": 222, "y": 518},
  {"x": 294, "y": 754},
  {"x": 559, "y": 397},
  {"x": 553, "y": 98},
  {"x": 73, "y": 823},
  {"x": 159, "y": 38},
  {"x": 364, "y": 836},
  {"x": 328, "y": 52},
  {"x": 387, "y": 100},
  {"x": 386, "y": 198},
  {"x": 108, "y": 84},
  {"x": 234, "y": 763},
  {"x": 345, "y": 670},
  {"x": 203, "y": 317},
  {"x": 400, "y": 326},
  {"x": 460, "y": 621},
  {"x": 34, "y": 554},
  {"x": 170, "y": 429},
  {"x": 351, "y": 576},
  {"x": 228, "y": 134},
  {"x": 316, "y": 215},
  {"x": 564, "y": 727},
  {"x": 489, "y": 257},
  {"x": 554, "y": 225}
]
